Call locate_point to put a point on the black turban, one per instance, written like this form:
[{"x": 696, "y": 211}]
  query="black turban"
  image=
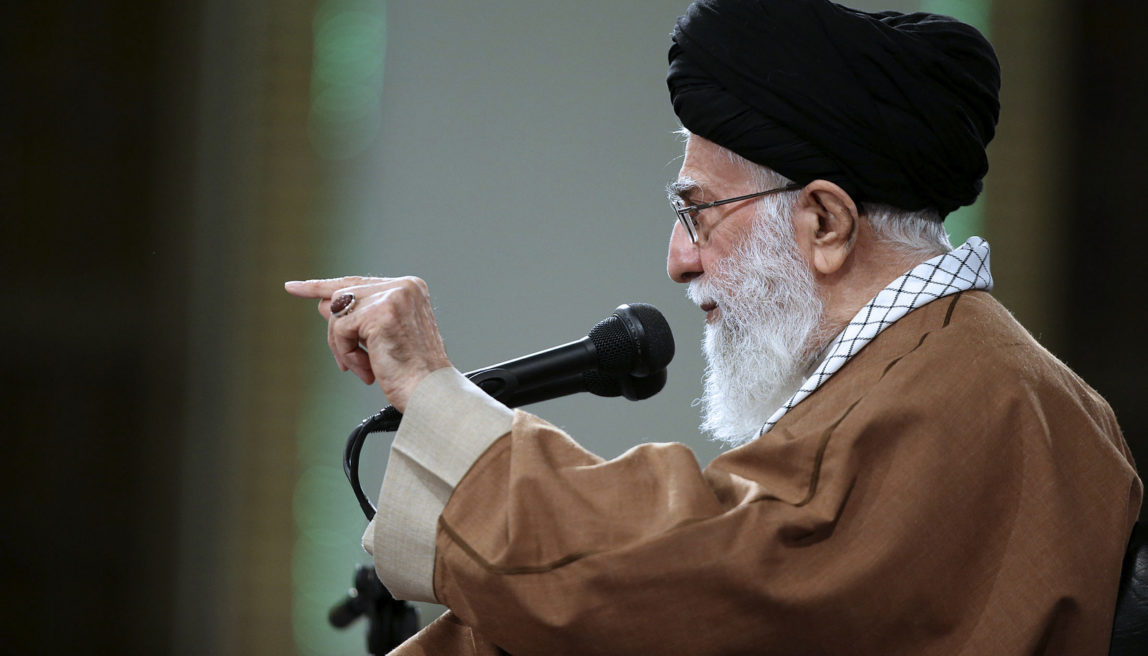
[{"x": 895, "y": 108}]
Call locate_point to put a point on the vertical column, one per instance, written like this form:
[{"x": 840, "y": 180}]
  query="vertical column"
[
  {"x": 1106, "y": 237},
  {"x": 280, "y": 246},
  {"x": 1025, "y": 199},
  {"x": 250, "y": 194}
]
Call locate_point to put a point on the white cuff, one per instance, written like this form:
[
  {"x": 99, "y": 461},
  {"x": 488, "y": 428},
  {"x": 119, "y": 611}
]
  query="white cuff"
[{"x": 448, "y": 424}]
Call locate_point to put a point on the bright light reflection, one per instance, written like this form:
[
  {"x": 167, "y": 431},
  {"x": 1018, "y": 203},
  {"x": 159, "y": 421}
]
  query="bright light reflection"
[{"x": 346, "y": 77}]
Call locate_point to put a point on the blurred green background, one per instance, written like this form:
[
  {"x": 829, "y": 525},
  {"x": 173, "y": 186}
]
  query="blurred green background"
[{"x": 174, "y": 423}]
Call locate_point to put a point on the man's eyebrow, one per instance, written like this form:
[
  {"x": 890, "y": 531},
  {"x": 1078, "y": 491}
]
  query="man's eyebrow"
[{"x": 683, "y": 188}]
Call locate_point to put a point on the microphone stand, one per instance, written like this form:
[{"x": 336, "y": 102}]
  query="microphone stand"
[{"x": 390, "y": 621}]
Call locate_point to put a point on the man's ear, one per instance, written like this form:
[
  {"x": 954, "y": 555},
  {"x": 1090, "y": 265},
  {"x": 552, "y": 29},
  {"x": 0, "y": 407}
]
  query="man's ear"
[{"x": 826, "y": 221}]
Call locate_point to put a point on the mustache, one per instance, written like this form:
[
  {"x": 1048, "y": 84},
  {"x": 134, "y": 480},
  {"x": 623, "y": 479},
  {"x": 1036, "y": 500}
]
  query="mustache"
[
  {"x": 702, "y": 291},
  {"x": 708, "y": 288}
]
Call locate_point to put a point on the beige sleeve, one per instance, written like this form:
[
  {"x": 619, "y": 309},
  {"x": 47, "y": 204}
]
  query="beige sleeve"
[{"x": 448, "y": 424}]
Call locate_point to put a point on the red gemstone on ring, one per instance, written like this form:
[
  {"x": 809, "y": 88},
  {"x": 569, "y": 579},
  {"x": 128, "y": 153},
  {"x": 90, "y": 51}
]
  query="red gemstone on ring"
[{"x": 342, "y": 303}]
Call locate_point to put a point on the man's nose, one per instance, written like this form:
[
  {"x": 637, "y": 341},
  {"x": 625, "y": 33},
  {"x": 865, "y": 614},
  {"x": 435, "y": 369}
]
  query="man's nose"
[{"x": 683, "y": 263}]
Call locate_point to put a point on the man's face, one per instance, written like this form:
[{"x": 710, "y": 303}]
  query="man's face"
[
  {"x": 763, "y": 309},
  {"x": 707, "y": 175}
]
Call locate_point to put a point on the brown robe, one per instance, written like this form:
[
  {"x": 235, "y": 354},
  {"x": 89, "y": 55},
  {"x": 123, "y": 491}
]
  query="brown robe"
[{"x": 953, "y": 489}]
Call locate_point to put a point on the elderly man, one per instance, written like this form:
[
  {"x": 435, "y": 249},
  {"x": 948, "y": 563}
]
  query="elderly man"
[{"x": 913, "y": 473}]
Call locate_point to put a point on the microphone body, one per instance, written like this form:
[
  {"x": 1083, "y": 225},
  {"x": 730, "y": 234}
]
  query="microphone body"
[
  {"x": 597, "y": 383},
  {"x": 507, "y": 379},
  {"x": 632, "y": 344}
]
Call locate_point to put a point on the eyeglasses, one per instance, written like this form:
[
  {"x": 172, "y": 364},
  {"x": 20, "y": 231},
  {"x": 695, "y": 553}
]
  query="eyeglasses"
[{"x": 688, "y": 214}]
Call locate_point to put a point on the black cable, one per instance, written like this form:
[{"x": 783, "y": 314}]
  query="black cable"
[{"x": 385, "y": 420}]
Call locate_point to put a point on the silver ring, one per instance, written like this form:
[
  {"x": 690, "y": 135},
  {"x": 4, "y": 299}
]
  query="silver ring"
[{"x": 343, "y": 304}]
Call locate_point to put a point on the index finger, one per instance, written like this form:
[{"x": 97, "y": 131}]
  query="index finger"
[{"x": 322, "y": 287}]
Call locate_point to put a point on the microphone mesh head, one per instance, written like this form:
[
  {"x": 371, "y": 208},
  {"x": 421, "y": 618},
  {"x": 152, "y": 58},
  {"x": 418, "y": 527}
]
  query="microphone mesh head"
[
  {"x": 637, "y": 389},
  {"x": 617, "y": 349},
  {"x": 601, "y": 384},
  {"x": 658, "y": 346}
]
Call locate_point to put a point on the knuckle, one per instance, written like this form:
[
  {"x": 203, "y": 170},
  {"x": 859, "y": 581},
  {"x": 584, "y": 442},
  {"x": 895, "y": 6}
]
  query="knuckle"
[
  {"x": 401, "y": 295},
  {"x": 411, "y": 284}
]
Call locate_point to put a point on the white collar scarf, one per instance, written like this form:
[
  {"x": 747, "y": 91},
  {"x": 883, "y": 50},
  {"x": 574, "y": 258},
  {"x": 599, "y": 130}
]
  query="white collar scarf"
[{"x": 959, "y": 270}]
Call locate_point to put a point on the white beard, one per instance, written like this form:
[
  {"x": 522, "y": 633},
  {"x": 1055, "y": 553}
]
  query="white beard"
[{"x": 762, "y": 342}]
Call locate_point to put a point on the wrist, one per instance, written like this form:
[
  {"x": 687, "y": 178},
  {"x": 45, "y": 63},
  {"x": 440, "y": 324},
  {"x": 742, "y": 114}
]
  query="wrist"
[{"x": 399, "y": 395}]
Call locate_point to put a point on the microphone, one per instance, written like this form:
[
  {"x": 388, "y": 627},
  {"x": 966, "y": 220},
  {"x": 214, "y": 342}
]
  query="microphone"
[
  {"x": 633, "y": 342},
  {"x": 595, "y": 382}
]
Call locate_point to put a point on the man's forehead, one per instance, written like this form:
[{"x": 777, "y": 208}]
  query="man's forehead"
[{"x": 706, "y": 169}]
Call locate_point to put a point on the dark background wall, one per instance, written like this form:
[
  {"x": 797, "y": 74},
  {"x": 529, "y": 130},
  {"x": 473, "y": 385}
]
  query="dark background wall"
[
  {"x": 1106, "y": 168},
  {"x": 96, "y": 141},
  {"x": 88, "y": 488}
]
